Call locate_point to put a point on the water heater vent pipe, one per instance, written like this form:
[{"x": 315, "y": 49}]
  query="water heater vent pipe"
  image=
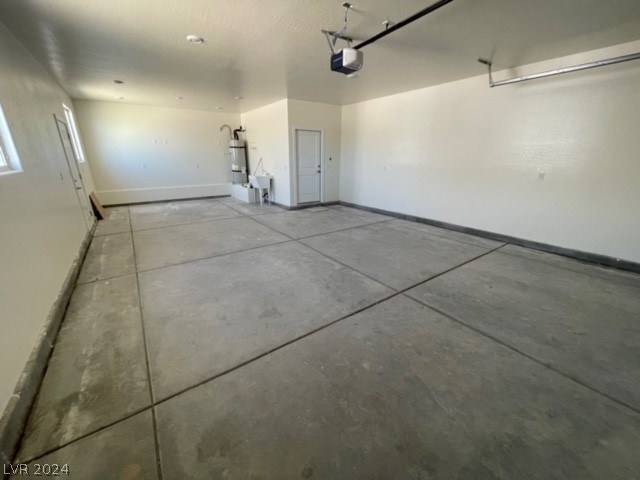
[{"x": 228, "y": 128}]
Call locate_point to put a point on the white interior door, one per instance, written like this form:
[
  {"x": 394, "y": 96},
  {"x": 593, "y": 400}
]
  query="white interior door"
[
  {"x": 309, "y": 162},
  {"x": 74, "y": 171}
]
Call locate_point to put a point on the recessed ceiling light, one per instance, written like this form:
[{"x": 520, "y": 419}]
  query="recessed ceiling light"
[
  {"x": 119, "y": 82},
  {"x": 179, "y": 98},
  {"x": 195, "y": 39},
  {"x": 218, "y": 108},
  {"x": 238, "y": 97}
]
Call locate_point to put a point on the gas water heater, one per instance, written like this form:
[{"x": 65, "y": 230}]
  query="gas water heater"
[{"x": 238, "y": 154}]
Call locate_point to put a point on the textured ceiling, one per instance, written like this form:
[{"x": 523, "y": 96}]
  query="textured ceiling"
[{"x": 264, "y": 50}]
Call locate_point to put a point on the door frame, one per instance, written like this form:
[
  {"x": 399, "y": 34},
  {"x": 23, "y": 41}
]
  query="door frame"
[
  {"x": 294, "y": 165},
  {"x": 59, "y": 123}
]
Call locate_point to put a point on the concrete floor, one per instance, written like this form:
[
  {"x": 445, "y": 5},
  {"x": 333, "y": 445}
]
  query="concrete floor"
[{"x": 210, "y": 339}]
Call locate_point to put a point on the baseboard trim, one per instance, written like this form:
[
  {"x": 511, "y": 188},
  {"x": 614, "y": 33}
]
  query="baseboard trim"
[
  {"x": 594, "y": 258},
  {"x": 159, "y": 194},
  {"x": 306, "y": 205},
  {"x": 166, "y": 201},
  {"x": 281, "y": 205},
  {"x": 14, "y": 418}
]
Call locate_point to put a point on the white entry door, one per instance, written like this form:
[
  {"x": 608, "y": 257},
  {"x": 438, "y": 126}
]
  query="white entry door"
[
  {"x": 309, "y": 162},
  {"x": 74, "y": 171}
]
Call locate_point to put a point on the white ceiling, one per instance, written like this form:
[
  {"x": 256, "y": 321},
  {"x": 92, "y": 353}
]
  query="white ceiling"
[{"x": 264, "y": 50}]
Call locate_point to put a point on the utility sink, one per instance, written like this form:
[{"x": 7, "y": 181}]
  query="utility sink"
[{"x": 260, "y": 181}]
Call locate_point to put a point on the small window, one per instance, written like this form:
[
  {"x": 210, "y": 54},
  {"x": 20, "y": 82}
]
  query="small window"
[
  {"x": 4, "y": 159},
  {"x": 73, "y": 130},
  {"x": 9, "y": 161}
]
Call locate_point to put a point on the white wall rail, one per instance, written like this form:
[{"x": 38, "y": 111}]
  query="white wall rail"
[{"x": 559, "y": 71}]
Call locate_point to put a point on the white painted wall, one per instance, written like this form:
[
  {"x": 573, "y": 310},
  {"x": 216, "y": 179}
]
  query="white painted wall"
[
  {"x": 139, "y": 153},
  {"x": 268, "y": 138},
  {"x": 470, "y": 155},
  {"x": 327, "y": 118},
  {"x": 41, "y": 224}
]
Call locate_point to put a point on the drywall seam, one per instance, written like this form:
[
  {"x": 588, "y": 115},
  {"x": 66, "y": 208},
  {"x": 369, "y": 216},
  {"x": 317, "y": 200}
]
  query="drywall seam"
[{"x": 14, "y": 418}]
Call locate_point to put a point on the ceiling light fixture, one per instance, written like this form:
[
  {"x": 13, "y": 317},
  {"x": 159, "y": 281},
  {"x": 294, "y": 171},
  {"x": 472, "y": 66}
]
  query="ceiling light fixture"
[
  {"x": 195, "y": 39},
  {"x": 179, "y": 98},
  {"x": 238, "y": 97}
]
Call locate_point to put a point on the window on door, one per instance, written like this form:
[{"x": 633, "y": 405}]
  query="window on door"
[
  {"x": 73, "y": 132},
  {"x": 9, "y": 161}
]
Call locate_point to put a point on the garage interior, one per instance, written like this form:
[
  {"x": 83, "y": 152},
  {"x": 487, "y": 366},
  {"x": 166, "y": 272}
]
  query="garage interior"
[{"x": 296, "y": 239}]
